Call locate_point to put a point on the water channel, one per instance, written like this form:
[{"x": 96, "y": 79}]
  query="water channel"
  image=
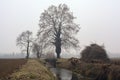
[
  {"x": 61, "y": 74},
  {"x": 64, "y": 74}
]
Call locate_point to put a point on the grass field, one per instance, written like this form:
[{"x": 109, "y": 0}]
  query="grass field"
[
  {"x": 23, "y": 69},
  {"x": 8, "y": 66}
]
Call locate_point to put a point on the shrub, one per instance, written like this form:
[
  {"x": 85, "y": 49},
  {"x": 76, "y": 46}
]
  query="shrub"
[{"x": 94, "y": 52}]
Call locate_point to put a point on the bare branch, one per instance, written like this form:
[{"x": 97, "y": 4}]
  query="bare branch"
[{"x": 57, "y": 27}]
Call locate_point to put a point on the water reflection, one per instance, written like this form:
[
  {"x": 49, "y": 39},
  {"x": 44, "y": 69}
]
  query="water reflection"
[
  {"x": 74, "y": 77},
  {"x": 62, "y": 74}
]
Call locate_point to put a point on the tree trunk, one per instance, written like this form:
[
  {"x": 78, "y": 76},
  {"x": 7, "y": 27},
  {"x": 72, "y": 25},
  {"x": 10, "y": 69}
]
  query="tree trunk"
[
  {"x": 27, "y": 51},
  {"x": 58, "y": 42},
  {"x": 58, "y": 55},
  {"x": 58, "y": 51},
  {"x": 58, "y": 48},
  {"x": 38, "y": 55}
]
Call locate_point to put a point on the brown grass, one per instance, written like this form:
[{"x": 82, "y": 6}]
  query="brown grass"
[
  {"x": 94, "y": 70},
  {"x": 115, "y": 61},
  {"x": 33, "y": 70},
  {"x": 8, "y": 66}
]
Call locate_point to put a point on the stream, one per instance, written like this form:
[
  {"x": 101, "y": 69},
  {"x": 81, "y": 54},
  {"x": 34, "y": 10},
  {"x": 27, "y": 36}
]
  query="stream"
[
  {"x": 64, "y": 74},
  {"x": 61, "y": 74}
]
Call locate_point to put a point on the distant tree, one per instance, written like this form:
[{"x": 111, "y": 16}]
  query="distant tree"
[
  {"x": 38, "y": 46},
  {"x": 24, "y": 40},
  {"x": 57, "y": 28},
  {"x": 37, "y": 49},
  {"x": 94, "y": 52}
]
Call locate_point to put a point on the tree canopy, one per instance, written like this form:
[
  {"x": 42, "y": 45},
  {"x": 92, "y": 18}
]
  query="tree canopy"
[
  {"x": 24, "y": 40},
  {"x": 57, "y": 28}
]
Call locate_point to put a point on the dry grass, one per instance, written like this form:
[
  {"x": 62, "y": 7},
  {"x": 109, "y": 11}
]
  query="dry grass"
[
  {"x": 32, "y": 70},
  {"x": 63, "y": 63},
  {"x": 8, "y": 66},
  {"x": 115, "y": 61},
  {"x": 93, "y": 70}
]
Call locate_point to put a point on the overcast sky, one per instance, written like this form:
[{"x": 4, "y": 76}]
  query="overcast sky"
[{"x": 99, "y": 21}]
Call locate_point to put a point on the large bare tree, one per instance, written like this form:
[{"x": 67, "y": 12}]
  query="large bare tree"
[
  {"x": 24, "y": 40},
  {"x": 57, "y": 28}
]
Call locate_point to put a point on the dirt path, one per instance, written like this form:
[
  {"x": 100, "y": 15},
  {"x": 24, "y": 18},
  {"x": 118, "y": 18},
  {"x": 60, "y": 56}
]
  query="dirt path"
[{"x": 33, "y": 70}]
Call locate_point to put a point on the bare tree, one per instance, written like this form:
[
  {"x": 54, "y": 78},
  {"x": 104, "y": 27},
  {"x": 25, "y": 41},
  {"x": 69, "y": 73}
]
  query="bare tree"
[
  {"x": 38, "y": 46},
  {"x": 37, "y": 49},
  {"x": 24, "y": 40},
  {"x": 57, "y": 28}
]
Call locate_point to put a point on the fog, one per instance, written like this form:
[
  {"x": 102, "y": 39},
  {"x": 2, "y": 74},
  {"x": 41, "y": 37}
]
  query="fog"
[{"x": 99, "y": 21}]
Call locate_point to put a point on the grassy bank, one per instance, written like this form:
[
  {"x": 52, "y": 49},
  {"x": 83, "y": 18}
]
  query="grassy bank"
[
  {"x": 110, "y": 71},
  {"x": 32, "y": 70}
]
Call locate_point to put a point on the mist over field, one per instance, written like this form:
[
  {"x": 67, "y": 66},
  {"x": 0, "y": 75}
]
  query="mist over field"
[
  {"x": 66, "y": 55},
  {"x": 98, "y": 20}
]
